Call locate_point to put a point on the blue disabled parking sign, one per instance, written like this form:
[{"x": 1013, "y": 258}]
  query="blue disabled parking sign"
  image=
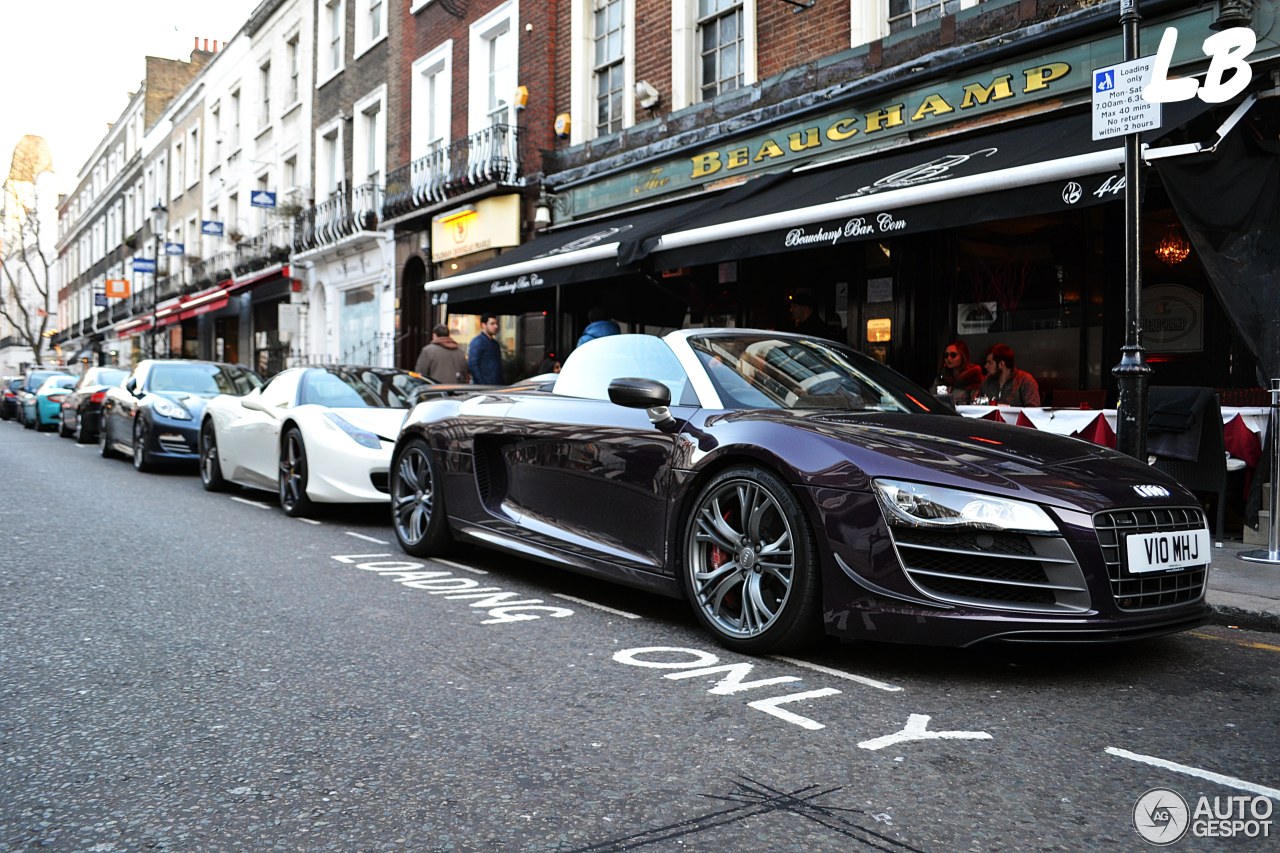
[{"x": 1105, "y": 80}]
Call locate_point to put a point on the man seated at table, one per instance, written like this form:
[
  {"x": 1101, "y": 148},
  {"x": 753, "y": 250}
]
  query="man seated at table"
[{"x": 1005, "y": 384}]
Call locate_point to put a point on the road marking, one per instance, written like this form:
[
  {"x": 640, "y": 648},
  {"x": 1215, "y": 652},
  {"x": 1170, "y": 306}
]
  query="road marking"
[
  {"x": 248, "y": 502},
  {"x": 465, "y": 568},
  {"x": 366, "y": 538},
  {"x": 917, "y": 729},
  {"x": 307, "y": 520},
  {"x": 861, "y": 679},
  {"x": 624, "y": 614},
  {"x": 1248, "y": 644},
  {"x": 1207, "y": 775}
]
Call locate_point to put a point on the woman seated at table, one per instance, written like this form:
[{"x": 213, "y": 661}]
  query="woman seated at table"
[
  {"x": 959, "y": 378},
  {"x": 1005, "y": 384}
]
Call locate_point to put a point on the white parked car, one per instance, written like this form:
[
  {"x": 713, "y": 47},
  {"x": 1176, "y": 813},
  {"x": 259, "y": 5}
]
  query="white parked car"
[{"x": 311, "y": 434}]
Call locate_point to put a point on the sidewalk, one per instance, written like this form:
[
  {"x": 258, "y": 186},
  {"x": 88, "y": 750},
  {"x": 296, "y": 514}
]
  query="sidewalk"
[{"x": 1241, "y": 593}]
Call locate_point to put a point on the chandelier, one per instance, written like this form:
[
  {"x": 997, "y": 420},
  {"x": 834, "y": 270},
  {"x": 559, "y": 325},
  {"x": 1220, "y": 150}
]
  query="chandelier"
[{"x": 1173, "y": 247}]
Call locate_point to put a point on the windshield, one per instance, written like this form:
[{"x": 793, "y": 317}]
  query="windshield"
[
  {"x": 757, "y": 370},
  {"x": 358, "y": 388},
  {"x": 104, "y": 376},
  {"x": 202, "y": 379},
  {"x": 58, "y": 382}
]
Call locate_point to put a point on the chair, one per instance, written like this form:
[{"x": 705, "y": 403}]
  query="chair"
[
  {"x": 1065, "y": 398},
  {"x": 1173, "y": 448}
]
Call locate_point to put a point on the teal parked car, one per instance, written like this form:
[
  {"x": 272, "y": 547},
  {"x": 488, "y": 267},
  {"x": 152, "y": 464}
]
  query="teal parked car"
[{"x": 43, "y": 409}]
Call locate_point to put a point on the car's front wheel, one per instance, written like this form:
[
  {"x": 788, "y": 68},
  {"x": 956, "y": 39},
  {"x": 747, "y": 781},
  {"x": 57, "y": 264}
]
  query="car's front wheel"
[
  {"x": 140, "y": 459},
  {"x": 63, "y": 430},
  {"x": 293, "y": 475},
  {"x": 82, "y": 434},
  {"x": 417, "y": 501},
  {"x": 750, "y": 565},
  {"x": 104, "y": 438},
  {"x": 210, "y": 467}
]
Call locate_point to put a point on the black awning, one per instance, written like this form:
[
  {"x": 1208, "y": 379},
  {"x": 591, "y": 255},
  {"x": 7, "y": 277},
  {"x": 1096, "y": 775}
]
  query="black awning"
[
  {"x": 580, "y": 252},
  {"x": 1029, "y": 167}
]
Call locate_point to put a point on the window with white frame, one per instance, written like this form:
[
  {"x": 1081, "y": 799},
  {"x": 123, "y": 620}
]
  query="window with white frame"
[
  {"x": 290, "y": 174},
  {"x": 264, "y": 86},
  {"x": 904, "y": 14},
  {"x": 720, "y": 47},
  {"x": 234, "y": 130},
  {"x": 215, "y": 120},
  {"x": 179, "y": 164},
  {"x": 494, "y": 60},
  {"x": 193, "y": 156},
  {"x": 232, "y": 227},
  {"x": 328, "y": 161},
  {"x": 368, "y": 149},
  {"x": 432, "y": 94},
  {"x": 371, "y": 25},
  {"x": 264, "y": 213},
  {"x": 609, "y": 68},
  {"x": 332, "y": 38},
  {"x": 293, "y": 60}
]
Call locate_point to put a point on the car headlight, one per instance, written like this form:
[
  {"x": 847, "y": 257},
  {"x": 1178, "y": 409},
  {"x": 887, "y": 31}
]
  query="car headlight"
[
  {"x": 360, "y": 436},
  {"x": 170, "y": 409},
  {"x": 921, "y": 505}
]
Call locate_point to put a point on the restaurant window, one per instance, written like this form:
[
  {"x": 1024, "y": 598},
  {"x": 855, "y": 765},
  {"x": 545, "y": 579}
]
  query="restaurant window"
[{"x": 358, "y": 325}]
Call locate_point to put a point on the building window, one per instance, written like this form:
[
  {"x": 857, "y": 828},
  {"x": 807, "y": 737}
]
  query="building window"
[
  {"x": 235, "y": 120},
  {"x": 494, "y": 62},
  {"x": 179, "y": 163},
  {"x": 294, "y": 60},
  {"x": 904, "y": 14},
  {"x": 215, "y": 119},
  {"x": 610, "y": 77},
  {"x": 331, "y": 38},
  {"x": 432, "y": 101},
  {"x": 328, "y": 163},
  {"x": 193, "y": 156},
  {"x": 264, "y": 78},
  {"x": 720, "y": 46}
]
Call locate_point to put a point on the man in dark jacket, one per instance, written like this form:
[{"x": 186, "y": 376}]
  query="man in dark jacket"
[
  {"x": 442, "y": 359},
  {"x": 484, "y": 355}
]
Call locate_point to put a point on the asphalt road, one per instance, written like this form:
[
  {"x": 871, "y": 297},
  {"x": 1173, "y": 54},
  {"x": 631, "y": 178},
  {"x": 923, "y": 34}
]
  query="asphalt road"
[{"x": 188, "y": 671}]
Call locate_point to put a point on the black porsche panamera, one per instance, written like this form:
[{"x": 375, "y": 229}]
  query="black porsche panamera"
[{"x": 786, "y": 486}]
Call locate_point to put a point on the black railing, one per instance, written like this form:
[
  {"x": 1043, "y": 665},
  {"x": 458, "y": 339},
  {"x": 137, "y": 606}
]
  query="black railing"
[
  {"x": 490, "y": 156},
  {"x": 344, "y": 213},
  {"x": 271, "y": 246}
]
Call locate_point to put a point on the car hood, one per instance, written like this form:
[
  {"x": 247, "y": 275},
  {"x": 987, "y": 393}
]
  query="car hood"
[{"x": 994, "y": 457}]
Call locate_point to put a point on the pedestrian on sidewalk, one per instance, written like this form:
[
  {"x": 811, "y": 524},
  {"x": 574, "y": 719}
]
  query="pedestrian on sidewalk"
[
  {"x": 484, "y": 355},
  {"x": 443, "y": 360}
]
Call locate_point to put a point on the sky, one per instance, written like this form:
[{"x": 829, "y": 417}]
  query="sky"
[{"x": 67, "y": 67}]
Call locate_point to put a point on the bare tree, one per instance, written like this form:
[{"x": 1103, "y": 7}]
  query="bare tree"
[{"x": 25, "y": 268}]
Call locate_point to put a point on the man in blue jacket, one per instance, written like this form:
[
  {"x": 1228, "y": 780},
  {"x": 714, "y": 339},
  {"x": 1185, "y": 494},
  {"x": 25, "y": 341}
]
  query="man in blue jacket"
[
  {"x": 484, "y": 355},
  {"x": 599, "y": 325}
]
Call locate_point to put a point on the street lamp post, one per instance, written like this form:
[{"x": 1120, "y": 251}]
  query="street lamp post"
[
  {"x": 159, "y": 228},
  {"x": 1133, "y": 374}
]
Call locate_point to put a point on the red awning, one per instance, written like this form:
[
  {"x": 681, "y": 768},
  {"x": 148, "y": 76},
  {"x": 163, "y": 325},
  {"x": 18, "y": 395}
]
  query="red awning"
[{"x": 214, "y": 305}]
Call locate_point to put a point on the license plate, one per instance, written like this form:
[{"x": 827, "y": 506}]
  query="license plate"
[{"x": 1163, "y": 552}]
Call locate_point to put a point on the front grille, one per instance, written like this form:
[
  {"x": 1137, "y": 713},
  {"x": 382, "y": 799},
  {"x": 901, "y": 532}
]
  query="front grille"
[
  {"x": 1010, "y": 571},
  {"x": 1139, "y": 592}
]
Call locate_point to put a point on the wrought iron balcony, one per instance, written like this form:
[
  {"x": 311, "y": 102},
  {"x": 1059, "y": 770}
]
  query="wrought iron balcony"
[
  {"x": 488, "y": 157},
  {"x": 344, "y": 213},
  {"x": 270, "y": 246}
]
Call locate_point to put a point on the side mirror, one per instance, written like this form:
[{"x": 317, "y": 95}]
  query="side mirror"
[
  {"x": 254, "y": 403},
  {"x": 131, "y": 385},
  {"x": 648, "y": 394}
]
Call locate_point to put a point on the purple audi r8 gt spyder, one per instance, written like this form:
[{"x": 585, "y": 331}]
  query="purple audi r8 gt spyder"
[{"x": 787, "y": 486}]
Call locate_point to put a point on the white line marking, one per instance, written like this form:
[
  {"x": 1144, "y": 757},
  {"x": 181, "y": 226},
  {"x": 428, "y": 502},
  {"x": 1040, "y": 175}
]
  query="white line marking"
[
  {"x": 861, "y": 679},
  {"x": 366, "y": 538},
  {"x": 248, "y": 502},
  {"x": 308, "y": 521},
  {"x": 1208, "y": 775},
  {"x": 624, "y": 614},
  {"x": 460, "y": 566}
]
